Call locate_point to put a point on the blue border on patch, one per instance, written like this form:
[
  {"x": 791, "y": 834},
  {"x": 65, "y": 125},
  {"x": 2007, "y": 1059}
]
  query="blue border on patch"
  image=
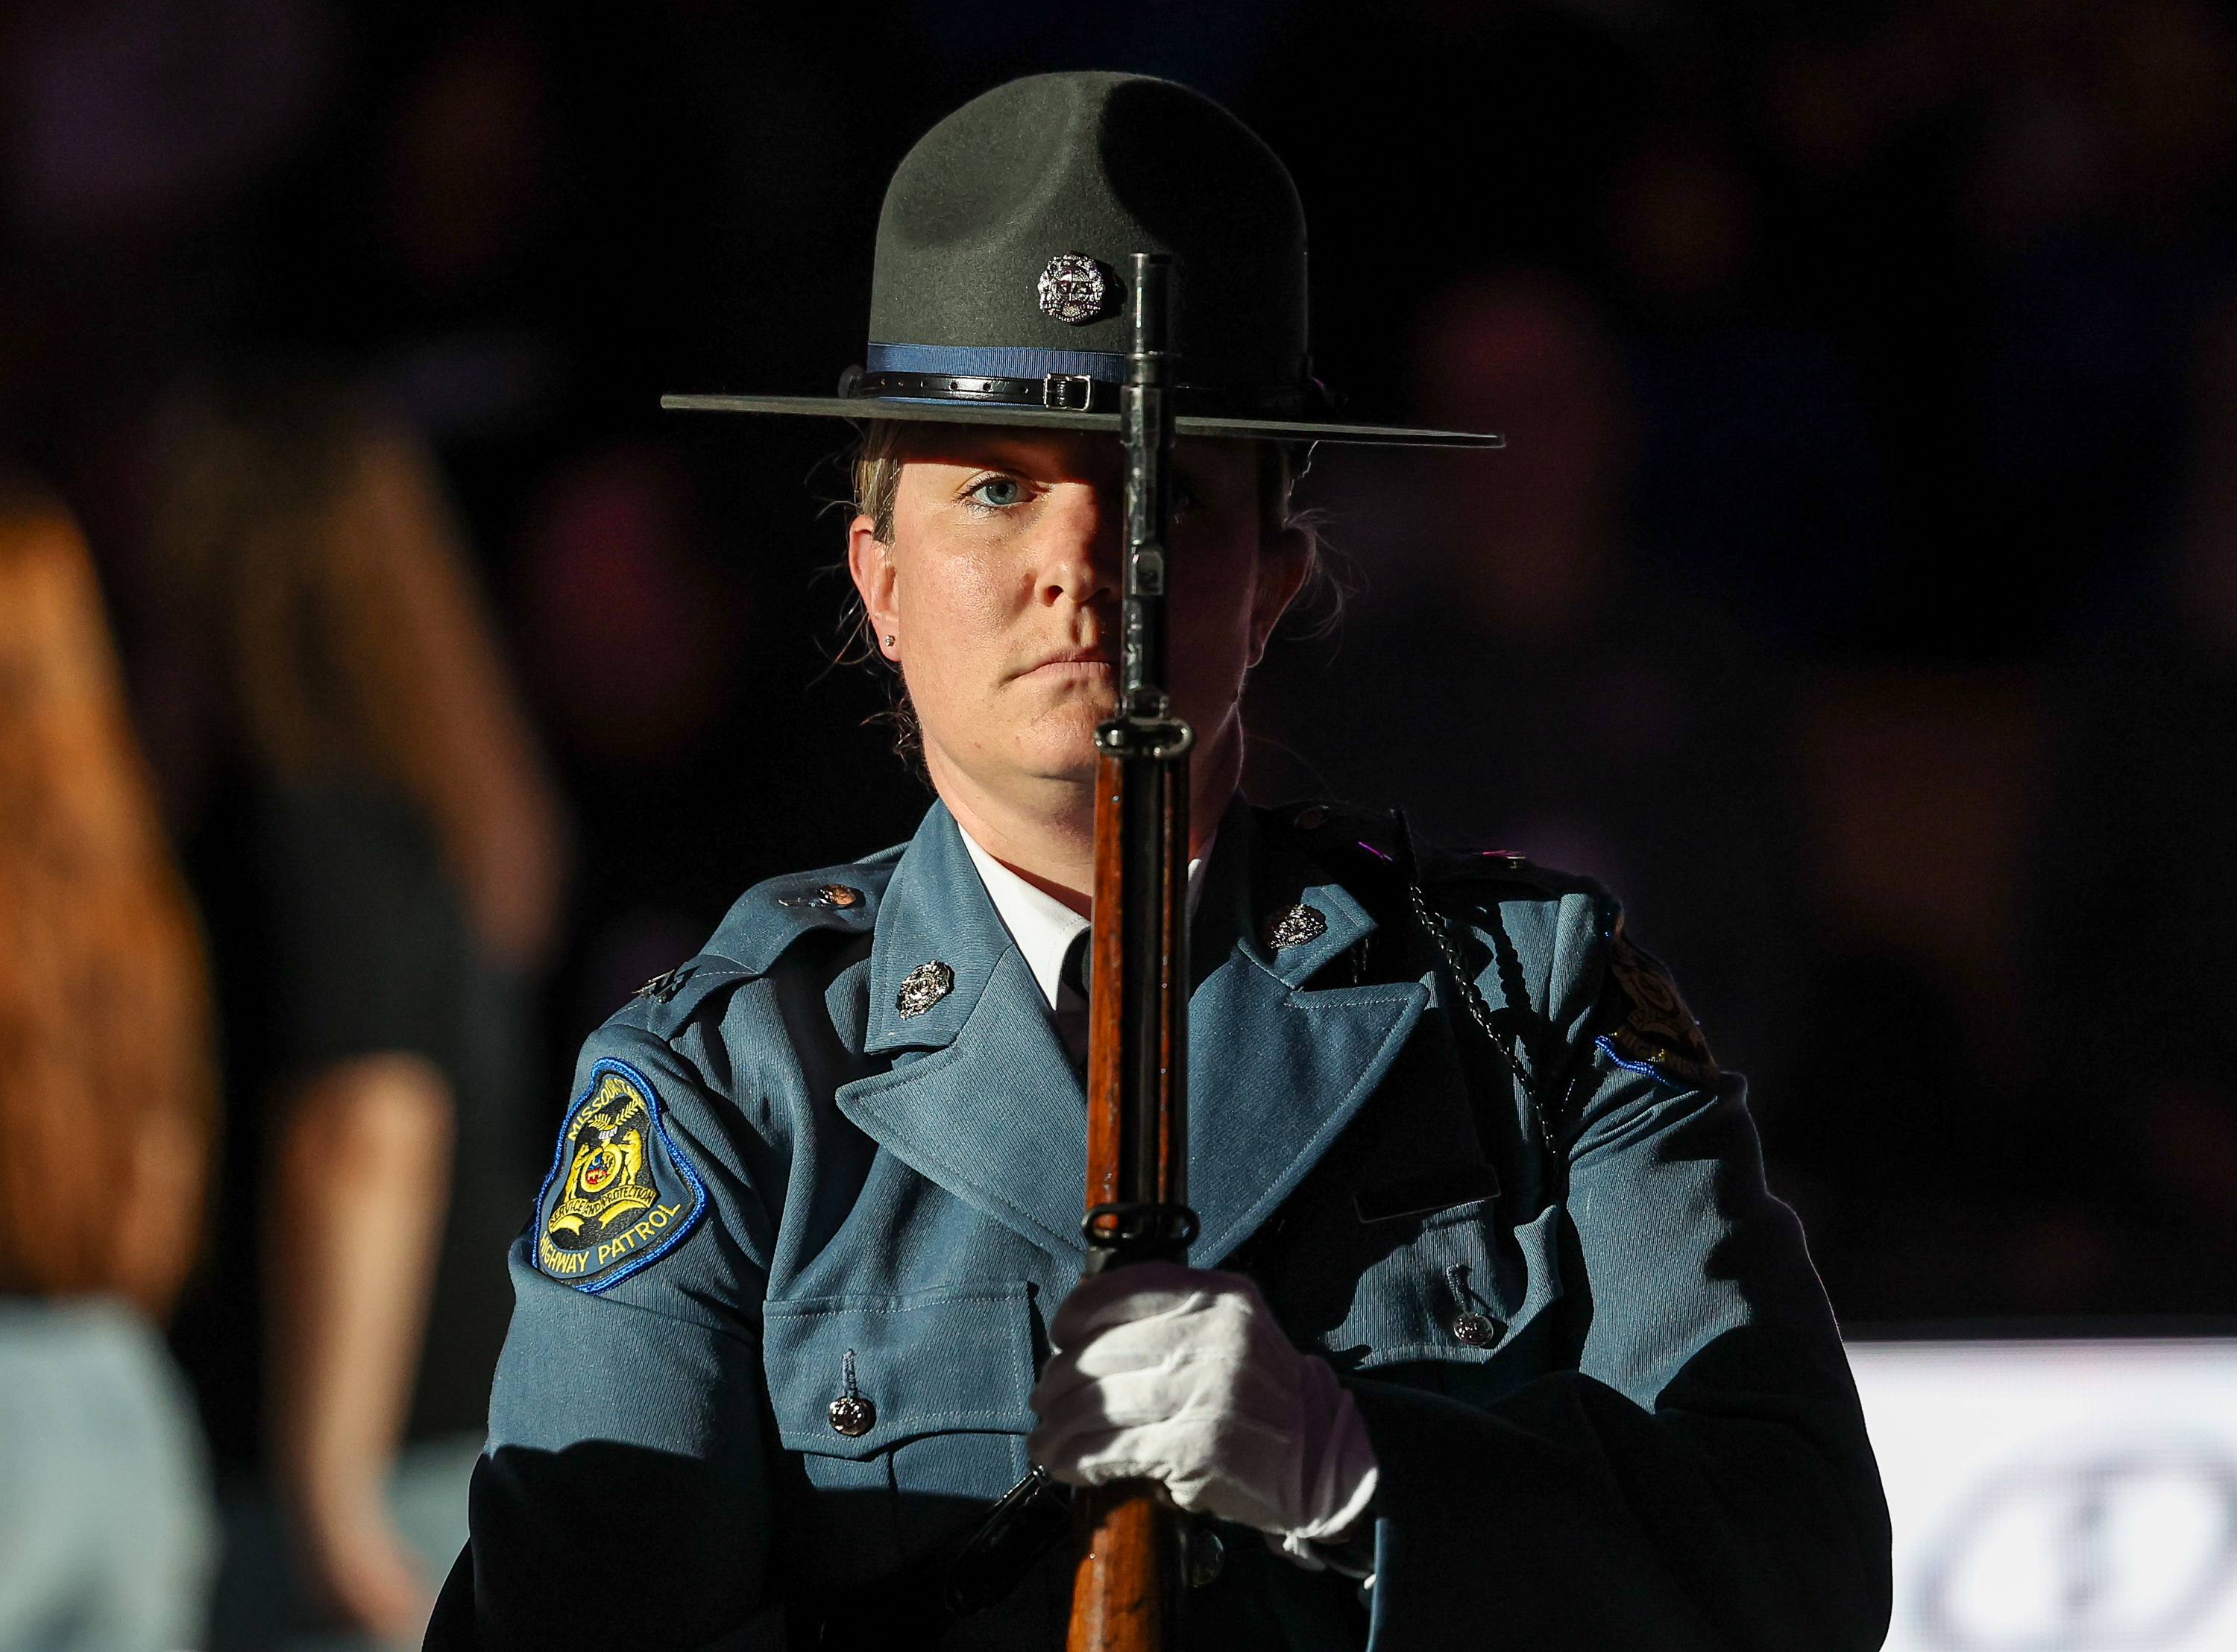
[
  {"x": 668, "y": 1144},
  {"x": 1607, "y": 1048}
]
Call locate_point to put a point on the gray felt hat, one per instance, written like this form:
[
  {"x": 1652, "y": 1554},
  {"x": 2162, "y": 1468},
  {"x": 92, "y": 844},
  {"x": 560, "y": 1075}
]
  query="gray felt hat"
[{"x": 997, "y": 297}]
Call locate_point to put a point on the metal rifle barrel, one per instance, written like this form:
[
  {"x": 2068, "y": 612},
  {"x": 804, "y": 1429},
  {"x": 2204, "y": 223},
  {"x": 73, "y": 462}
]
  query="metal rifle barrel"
[{"x": 1127, "y": 1587}]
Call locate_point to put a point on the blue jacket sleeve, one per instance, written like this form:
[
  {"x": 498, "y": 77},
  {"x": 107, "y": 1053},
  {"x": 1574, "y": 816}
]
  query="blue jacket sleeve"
[
  {"x": 627, "y": 1418},
  {"x": 1702, "y": 1478}
]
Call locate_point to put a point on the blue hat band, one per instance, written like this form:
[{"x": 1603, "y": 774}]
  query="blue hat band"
[{"x": 994, "y": 361}]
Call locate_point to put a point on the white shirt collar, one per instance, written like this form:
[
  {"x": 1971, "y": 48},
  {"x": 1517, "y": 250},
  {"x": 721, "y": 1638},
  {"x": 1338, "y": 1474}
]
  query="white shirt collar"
[{"x": 1042, "y": 925}]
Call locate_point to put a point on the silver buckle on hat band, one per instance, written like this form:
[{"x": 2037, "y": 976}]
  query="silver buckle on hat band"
[
  {"x": 1067, "y": 391},
  {"x": 1060, "y": 392}
]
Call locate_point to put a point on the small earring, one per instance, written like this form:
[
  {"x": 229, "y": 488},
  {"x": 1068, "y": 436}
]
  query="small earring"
[{"x": 890, "y": 639}]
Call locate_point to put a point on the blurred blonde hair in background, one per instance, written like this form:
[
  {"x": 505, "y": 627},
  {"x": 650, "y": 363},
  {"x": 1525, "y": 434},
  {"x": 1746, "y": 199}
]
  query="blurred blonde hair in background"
[
  {"x": 316, "y": 562},
  {"x": 106, "y": 1085}
]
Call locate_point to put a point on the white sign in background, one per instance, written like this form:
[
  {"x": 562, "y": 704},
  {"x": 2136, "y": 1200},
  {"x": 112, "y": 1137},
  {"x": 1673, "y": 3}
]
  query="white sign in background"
[{"x": 2058, "y": 1496}]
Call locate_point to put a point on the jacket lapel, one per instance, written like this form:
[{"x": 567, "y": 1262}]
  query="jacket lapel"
[
  {"x": 1277, "y": 1072},
  {"x": 980, "y": 1097},
  {"x": 982, "y": 1100}
]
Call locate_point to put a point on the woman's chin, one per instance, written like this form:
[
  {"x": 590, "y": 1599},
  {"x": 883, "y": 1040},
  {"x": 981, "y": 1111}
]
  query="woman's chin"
[
  {"x": 1074, "y": 765},
  {"x": 1062, "y": 745}
]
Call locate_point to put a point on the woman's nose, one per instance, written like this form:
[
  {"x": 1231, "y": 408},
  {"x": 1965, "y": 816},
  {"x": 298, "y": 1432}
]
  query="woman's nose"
[{"x": 1083, "y": 550}]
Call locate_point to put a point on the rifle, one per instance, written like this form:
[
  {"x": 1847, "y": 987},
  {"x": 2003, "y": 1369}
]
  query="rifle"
[{"x": 1127, "y": 1587}]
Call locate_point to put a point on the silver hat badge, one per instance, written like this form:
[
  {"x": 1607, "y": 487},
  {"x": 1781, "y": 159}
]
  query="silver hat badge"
[{"x": 1074, "y": 289}]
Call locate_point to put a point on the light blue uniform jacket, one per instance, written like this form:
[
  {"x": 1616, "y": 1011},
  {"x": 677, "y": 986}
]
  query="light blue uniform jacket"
[{"x": 1655, "y": 1445}]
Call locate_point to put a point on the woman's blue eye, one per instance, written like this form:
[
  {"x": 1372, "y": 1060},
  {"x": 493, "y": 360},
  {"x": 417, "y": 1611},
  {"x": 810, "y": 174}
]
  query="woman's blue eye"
[{"x": 998, "y": 491}]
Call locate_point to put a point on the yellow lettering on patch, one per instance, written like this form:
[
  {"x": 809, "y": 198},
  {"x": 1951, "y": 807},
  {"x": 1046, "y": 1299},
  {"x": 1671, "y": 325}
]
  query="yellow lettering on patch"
[
  {"x": 560, "y": 1261},
  {"x": 571, "y": 1263}
]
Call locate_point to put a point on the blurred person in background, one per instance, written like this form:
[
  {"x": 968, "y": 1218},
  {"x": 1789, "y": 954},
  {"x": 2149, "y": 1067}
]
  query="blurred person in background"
[
  {"x": 628, "y": 634},
  {"x": 1614, "y": 724},
  {"x": 106, "y": 1534},
  {"x": 1753, "y": 442},
  {"x": 378, "y": 861},
  {"x": 2135, "y": 896}
]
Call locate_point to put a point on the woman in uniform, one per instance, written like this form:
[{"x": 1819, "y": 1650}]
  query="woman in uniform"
[{"x": 1492, "y": 1334}]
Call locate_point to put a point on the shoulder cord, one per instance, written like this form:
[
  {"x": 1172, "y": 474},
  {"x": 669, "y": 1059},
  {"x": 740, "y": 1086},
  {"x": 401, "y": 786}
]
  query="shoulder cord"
[{"x": 1440, "y": 937}]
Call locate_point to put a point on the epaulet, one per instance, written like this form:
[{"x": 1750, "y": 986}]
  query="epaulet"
[
  {"x": 1362, "y": 840},
  {"x": 1343, "y": 837},
  {"x": 760, "y": 927},
  {"x": 663, "y": 1004},
  {"x": 769, "y": 918}
]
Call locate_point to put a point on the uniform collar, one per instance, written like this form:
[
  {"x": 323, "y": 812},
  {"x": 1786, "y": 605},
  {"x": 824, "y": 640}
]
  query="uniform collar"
[
  {"x": 1043, "y": 926},
  {"x": 937, "y": 927},
  {"x": 981, "y": 1098}
]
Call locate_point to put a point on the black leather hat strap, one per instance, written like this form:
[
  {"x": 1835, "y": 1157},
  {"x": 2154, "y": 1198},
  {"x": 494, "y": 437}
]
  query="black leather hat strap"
[
  {"x": 1061, "y": 392},
  {"x": 1067, "y": 393}
]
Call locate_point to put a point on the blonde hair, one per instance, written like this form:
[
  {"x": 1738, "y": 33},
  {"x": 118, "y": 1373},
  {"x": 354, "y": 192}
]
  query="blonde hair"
[
  {"x": 106, "y": 1080},
  {"x": 303, "y": 539}
]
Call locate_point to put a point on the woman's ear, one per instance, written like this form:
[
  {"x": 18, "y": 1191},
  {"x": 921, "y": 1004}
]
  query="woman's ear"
[
  {"x": 870, "y": 564},
  {"x": 1285, "y": 559}
]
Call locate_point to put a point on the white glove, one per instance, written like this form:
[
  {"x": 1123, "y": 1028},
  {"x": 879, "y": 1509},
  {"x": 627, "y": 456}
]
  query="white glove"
[{"x": 1180, "y": 1375}]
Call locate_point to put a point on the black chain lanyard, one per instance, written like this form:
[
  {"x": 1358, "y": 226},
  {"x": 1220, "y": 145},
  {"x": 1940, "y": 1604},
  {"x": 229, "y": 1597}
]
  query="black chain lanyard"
[{"x": 1440, "y": 936}]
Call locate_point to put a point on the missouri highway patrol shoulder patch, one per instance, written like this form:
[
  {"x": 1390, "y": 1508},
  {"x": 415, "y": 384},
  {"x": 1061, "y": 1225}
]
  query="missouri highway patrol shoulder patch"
[
  {"x": 620, "y": 1194},
  {"x": 1657, "y": 1027}
]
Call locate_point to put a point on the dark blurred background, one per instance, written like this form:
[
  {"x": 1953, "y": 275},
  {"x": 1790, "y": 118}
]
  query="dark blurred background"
[{"x": 1856, "y": 594}]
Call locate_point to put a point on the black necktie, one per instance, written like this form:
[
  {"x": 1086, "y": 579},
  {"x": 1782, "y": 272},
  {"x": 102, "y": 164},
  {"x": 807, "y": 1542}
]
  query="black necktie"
[{"x": 1071, "y": 997}]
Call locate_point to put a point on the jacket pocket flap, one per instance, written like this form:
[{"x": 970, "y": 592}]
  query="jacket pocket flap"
[
  {"x": 1462, "y": 1264},
  {"x": 1424, "y": 1195},
  {"x": 956, "y": 1358}
]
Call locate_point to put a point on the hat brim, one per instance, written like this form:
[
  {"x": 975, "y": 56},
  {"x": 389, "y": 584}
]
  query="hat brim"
[{"x": 860, "y": 408}]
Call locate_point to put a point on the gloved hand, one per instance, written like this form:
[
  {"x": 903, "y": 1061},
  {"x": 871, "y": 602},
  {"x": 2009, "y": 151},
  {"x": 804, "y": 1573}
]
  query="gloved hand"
[{"x": 1180, "y": 1375}]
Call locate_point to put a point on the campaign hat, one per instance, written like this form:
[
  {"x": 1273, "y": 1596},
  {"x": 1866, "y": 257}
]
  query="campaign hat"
[{"x": 999, "y": 291}]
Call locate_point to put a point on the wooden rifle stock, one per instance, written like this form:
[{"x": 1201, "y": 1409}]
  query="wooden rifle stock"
[{"x": 1127, "y": 1587}]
